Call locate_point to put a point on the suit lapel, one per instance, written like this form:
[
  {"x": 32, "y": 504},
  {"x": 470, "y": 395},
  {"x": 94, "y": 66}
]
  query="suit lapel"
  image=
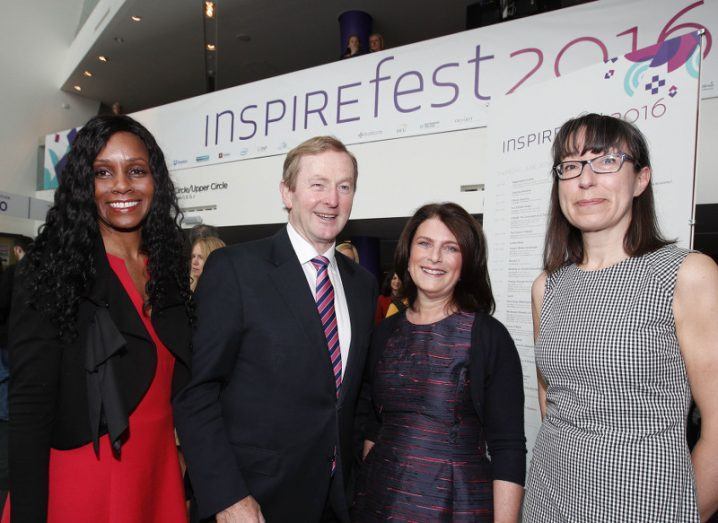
[
  {"x": 352, "y": 291},
  {"x": 291, "y": 284}
]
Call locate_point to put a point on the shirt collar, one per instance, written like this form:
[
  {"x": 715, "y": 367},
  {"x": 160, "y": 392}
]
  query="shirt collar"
[{"x": 304, "y": 250}]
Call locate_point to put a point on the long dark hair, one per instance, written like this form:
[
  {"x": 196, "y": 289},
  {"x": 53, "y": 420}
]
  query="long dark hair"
[
  {"x": 473, "y": 290},
  {"x": 599, "y": 134},
  {"x": 60, "y": 266}
]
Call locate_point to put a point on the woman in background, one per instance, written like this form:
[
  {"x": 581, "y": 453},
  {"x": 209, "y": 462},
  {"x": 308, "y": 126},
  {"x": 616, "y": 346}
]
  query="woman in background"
[
  {"x": 201, "y": 249},
  {"x": 446, "y": 386},
  {"x": 390, "y": 298},
  {"x": 625, "y": 327},
  {"x": 348, "y": 249},
  {"x": 353, "y": 47},
  {"x": 100, "y": 340}
]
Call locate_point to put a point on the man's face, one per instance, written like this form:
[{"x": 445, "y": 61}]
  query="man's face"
[
  {"x": 375, "y": 43},
  {"x": 321, "y": 202}
]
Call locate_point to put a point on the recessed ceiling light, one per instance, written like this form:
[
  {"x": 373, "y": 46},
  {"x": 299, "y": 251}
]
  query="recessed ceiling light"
[
  {"x": 77, "y": 88},
  {"x": 87, "y": 73},
  {"x": 136, "y": 18},
  {"x": 209, "y": 9},
  {"x": 102, "y": 58},
  {"x": 211, "y": 47}
]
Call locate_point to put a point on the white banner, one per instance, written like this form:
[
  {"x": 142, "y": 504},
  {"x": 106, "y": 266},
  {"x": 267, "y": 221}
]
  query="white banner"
[
  {"x": 661, "y": 99},
  {"x": 439, "y": 85},
  {"x": 434, "y": 86}
]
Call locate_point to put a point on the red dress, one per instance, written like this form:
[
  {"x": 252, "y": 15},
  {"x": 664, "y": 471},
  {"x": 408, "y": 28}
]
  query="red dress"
[{"x": 144, "y": 485}]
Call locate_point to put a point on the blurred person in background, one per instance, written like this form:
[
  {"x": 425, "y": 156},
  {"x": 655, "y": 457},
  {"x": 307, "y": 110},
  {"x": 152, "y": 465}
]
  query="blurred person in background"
[
  {"x": 22, "y": 245},
  {"x": 353, "y": 47},
  {"x": 348, "y": 249},
  {"x": 390, "y": 298},
  {"x": 202, "y": 230},
  {"x": 376, "y": 43},
  {"x": 201, "y": 249}
]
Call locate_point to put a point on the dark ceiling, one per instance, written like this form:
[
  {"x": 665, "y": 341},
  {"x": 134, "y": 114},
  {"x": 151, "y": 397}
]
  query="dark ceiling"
[{"x": 161, "y": 58}]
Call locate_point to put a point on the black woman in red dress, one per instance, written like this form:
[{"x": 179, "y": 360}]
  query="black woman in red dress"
[{"x": 100, "y": 340}]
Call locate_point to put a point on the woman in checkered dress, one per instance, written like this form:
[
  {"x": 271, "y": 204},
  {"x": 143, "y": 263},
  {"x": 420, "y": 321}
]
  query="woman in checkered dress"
[{"x": 626, "y": 328}]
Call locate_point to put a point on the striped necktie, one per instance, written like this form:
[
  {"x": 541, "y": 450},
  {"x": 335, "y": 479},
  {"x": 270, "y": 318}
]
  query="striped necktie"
[{"x": 325, "y": 306}]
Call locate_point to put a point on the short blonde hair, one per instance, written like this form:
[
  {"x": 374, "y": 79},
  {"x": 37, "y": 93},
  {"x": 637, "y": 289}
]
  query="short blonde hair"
[{"x": 316, "y": 145}]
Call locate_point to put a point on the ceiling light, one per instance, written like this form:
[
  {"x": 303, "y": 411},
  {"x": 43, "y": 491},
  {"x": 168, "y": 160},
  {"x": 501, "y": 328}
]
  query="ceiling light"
[
  {"x": 87, "y": 73},
  {"x": 211, "y": 47},
  {"x": 209, "y": 9},
  {"x": 136, "y": 18},
  {"x": 102, "y": 58},
  {"x": 77, "y": 88}
]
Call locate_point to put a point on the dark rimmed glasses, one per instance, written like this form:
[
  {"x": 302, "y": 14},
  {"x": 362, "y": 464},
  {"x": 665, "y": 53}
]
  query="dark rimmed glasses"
[{"x": 604, "y": 164}]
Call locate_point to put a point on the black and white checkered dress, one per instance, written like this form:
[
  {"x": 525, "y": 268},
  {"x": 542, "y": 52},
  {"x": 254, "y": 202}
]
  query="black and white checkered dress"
[{"x": 612, "y": 447}]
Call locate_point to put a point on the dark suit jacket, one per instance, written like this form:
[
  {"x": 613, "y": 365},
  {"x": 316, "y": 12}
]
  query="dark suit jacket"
[
  {"x": 62, "y": 395},
  {"x": 260, "y": 416}
]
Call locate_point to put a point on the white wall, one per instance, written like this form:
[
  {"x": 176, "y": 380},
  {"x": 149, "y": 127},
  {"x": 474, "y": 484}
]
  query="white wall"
[
  {"x": 36, "y": 36},
  {"x": 707, "y": 161},
  {"x": 395, "y": 177}
]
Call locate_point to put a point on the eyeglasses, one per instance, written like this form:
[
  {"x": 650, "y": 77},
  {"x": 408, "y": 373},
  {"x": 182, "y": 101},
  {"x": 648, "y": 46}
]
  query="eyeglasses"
[{"x": 604, "y": 164}]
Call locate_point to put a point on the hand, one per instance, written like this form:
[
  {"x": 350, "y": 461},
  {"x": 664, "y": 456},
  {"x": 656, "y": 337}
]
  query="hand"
[{"x": 246, "y": 510}]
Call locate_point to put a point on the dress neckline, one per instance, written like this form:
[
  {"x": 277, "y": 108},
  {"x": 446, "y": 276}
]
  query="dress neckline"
[
  {"x": 603, "y": 269},
  {"x": 430, "y": 324}
]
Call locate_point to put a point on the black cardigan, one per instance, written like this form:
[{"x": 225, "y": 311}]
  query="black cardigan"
[
  {"x": 66, "y": 394},
  {"x": 496, "y": 392}
]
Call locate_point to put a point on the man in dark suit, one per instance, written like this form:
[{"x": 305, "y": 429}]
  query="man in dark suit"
[{"x": 283, "y": 330}]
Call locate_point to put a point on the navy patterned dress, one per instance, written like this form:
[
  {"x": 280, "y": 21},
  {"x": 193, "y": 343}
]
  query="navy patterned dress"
[{"x": 429, "y": 462}]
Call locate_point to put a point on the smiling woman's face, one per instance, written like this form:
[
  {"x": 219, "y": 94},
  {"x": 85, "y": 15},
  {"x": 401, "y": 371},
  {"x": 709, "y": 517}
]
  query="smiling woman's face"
[
  {"x": 435, "y": 260},
  {"x": 124, "y": 187}
]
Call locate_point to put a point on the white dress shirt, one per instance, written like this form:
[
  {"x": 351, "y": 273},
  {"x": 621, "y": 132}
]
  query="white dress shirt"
[{"x": 305, "y": 252}]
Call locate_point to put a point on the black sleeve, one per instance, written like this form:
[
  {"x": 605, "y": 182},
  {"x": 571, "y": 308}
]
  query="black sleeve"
[
  {"x": 368, "y": 418},
  {"x": 35, "y": 356},
  {"x": 502, "y": 406},
  {"x": 216, "y": 478}
]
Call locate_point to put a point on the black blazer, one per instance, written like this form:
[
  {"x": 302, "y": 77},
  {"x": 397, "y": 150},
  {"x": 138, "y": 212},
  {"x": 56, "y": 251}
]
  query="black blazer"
[
  {"x": 64, "y": 395},
  {"x": 260, "y": 415}
]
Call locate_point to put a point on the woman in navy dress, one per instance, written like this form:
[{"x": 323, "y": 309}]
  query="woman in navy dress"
[{"x": 445, "y": 386}]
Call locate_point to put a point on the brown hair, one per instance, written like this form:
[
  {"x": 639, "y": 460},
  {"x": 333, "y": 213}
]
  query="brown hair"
[
  {"x": 316, "y": 145},
  {"x": 599, "y": 134},
  {"x": 473, "y": 290}
]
